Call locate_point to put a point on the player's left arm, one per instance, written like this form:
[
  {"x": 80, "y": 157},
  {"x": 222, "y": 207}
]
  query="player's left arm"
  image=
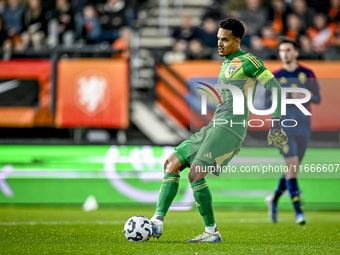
[
  {"x": 269, "y": 82},
  {"x": 257, "y": 70},
  {"x": 314, "y": 88},
  {"x": 276, "y": 134},
  {"x": 268, "y": 99}
]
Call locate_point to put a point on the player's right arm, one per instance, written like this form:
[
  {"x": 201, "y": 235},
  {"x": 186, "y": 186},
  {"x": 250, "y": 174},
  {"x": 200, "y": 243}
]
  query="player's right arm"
[{"x": 314, "y": 88}]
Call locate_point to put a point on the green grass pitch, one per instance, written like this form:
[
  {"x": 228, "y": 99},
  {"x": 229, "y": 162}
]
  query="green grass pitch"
[{"x": 69, "y": 230}]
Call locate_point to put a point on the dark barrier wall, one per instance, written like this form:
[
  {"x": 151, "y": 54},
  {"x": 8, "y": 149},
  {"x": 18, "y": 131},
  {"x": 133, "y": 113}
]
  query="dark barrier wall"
[{"x": 14, "y": 75}]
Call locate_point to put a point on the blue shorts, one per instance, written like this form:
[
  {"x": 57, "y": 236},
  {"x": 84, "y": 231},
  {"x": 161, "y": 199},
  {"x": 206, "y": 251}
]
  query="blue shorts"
[{"x": 297, "y": 143}]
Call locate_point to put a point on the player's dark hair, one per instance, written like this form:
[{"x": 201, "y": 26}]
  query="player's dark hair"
[
  {"x": 288, "y": 40},
  {"x": 234, "y": 25}
]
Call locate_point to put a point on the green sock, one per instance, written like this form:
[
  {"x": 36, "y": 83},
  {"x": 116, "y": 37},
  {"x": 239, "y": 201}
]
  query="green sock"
[
  {"x": 203, "y": 200},
  {"x": 167, "y": 193}
]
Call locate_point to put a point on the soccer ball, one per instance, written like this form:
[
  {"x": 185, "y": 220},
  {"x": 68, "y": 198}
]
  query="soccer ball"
[{"x": 138, "y": 229}]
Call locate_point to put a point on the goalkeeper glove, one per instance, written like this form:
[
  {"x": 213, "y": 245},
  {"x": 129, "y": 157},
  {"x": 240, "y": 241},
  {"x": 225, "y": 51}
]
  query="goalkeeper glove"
[{"x": 276, "y": 135}]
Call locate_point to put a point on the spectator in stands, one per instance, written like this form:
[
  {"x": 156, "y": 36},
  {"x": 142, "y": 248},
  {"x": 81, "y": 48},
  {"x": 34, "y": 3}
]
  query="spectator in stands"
[
  {"x": 321, "y": 34},
  {"x": 306, "y": 49},
  {"x": 47, "y": 5},
  {"x": 178, "y": 52},
  {"x": 13, "y": 19},
  {"x": 277, "y": 16},
  {"x": 88, "y": 27},
  {"x": 294, "y": 27},
  {"x": 62, "y": 25},
  {"x": 319, "y": 5},
  {"x": 254, "y": 16},
  {"x": 208, "y": 33},
  {"x": 186, "y": 31},
  {"x": 112, "y": 18},
  {"x": 333, "y": 52},
  {"x": 35, "y": 25},
  {"x": 78, "y": 6},
  {"x": 181, "y": 45},
  {"x": 214, "y": 11},
  {"x": 3, "y": 35},
  {"x": 334, "y": 11},
  {"x": 2, "y": 6},
  {"x": 259, "y": 50},
  {"x": 269, "y": 38},
  {"x": 98, "y": 5},
  {"x": 305, "y": 13},
  {"x": 232, "y": 8},
  {"x": 123, "y": 43},
  {"x": 197, "y": 51},
  {"x": 245, "y": 43}
]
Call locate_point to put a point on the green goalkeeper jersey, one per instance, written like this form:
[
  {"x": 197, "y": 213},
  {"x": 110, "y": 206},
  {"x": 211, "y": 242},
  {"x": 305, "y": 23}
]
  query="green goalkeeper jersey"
[{"x": 244, "y": 71}]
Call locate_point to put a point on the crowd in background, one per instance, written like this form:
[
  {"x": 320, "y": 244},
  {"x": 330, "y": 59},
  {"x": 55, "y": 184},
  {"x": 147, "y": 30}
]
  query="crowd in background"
[
  {"x": 37, "y": 24},
  {"x": 315, "y": 25}
]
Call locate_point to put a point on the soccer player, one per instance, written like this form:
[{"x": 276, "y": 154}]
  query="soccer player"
[
  {"x": 215, "y": 145},
  {"x": 293, "y": 75}
]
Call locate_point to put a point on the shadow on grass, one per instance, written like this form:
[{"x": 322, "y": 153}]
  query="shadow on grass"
[{"x": 165, "y": 242}]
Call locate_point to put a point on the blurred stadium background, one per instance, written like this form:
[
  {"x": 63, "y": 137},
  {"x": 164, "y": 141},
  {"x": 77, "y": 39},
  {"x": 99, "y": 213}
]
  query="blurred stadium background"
[{"x": 95, "y": 94}]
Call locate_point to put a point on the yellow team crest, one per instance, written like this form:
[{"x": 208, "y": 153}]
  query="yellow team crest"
[
  {"x": 234, "y": 65},
  {"x": 283, "y": 80},
  {"x": 302, "y": 77},
  {"x": 231, "y": 69},
  {"x": 296, "y": 199},
  {"x": 285, "y": 149}
]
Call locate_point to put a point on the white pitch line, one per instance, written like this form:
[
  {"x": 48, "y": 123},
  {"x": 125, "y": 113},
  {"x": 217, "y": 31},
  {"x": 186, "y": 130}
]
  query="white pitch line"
[
  {"x": 34, "y": 223},
  {"x": 248, "y": 220}
]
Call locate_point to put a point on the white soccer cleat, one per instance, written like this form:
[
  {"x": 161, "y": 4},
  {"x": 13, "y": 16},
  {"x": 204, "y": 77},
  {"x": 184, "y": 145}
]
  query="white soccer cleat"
[
  {"x": 300, "y": 219},
  {"x": 157, "y": 225},
  {"x": 207, "y": 238},
  {"x": 272, "y": 209}
]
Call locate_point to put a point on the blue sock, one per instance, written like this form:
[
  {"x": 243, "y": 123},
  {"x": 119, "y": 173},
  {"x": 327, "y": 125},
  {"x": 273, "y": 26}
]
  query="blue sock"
[
  {"x": 280, "y": 189},
  {"x": 293, "y": 188}
]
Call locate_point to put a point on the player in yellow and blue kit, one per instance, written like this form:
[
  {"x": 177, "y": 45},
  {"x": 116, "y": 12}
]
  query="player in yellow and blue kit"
[
  {"x": 293, "y": 75},
  {"x": 215, "y": 145}
]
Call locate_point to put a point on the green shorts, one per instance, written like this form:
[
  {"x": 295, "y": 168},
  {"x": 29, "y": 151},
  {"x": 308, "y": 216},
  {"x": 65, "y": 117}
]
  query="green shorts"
[{"x": 210, "y": 146}]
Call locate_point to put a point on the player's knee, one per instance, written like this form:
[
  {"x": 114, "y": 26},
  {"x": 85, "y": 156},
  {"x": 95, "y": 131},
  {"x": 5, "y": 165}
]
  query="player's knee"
[
  {"x": 167, "y": 164},
  {"x": 191, "y": 175},
  {"x": 172, "y": 166},
  {"x": 292, "y": 164},
  {"x": 291, "y": 174},
  {"x": 195, "y": 173}
]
